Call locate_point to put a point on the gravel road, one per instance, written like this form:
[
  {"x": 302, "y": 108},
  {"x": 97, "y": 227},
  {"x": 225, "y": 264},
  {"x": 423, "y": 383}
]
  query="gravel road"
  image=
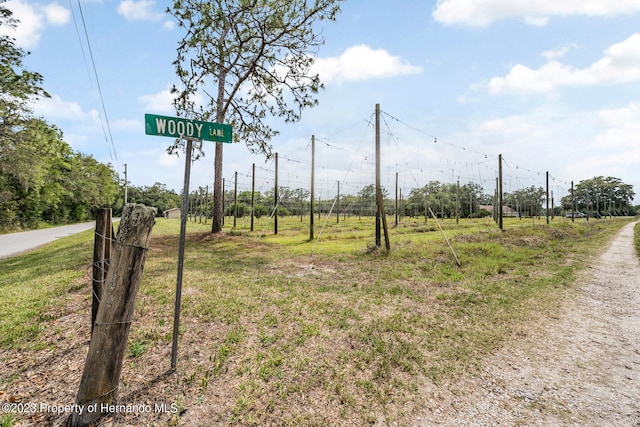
[{"x": 580, "y": 368}]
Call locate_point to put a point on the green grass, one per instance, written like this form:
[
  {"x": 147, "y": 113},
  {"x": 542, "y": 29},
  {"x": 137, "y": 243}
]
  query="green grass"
[
  {"x": 278, "y": 329},
  {"x": 30, "y": 283},
  {"x": 7, "y": 420}
]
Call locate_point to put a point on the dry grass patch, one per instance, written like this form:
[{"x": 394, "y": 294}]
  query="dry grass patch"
[{"x": 273, "y": 335}]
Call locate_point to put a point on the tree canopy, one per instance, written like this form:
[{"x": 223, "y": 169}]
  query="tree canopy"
[
  {"x": 602, "y": 196},
  {"x": 17, "y": 85},
  {"x": 41, "y": 177},
  {"x": 247, "y": 61}
]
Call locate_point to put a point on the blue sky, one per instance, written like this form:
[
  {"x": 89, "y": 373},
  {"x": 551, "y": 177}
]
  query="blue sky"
[{"x": 552, "y": 86}]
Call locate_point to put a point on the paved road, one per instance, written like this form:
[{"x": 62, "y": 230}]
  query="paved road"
[{"x": 15, "y": 243}]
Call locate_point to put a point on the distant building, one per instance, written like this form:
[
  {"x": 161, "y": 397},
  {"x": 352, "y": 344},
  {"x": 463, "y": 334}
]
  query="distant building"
[
  {"x": 172, "y": 213},
  {"x": 506, "y": 210}
]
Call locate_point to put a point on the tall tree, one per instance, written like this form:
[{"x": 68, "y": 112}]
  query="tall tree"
[
  {"x": 601, "y": 195},
  {"x": 248, "y": 59},
  {"x": 17, "y": 84},
  {"x": 527, "y": 201}
]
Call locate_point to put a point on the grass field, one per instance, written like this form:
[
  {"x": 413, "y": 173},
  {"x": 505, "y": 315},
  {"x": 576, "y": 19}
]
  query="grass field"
[{"x": 280, "y": 330}]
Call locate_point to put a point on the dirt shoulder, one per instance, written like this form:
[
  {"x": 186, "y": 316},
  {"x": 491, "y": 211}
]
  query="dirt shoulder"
[{"x": 580, "y": 367}]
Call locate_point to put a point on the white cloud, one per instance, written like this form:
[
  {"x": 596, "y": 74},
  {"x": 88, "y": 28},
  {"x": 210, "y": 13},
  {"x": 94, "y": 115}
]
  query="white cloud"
[
  {"x": 485, "y": 12},
  {"x": 620, "y": 64},
  {"x": 549, "y": 136},
  {"x": 620, "y": 164},
  {"x": 33, "y": 19},
  {"x": 166, "y": 159},
  {"x": 141, "y": 10},
  {"x": 359, "y": 63},
  {"x": 55, "y": 108},
  {"x": 75, "y": 140},
  {"x": 128, "y": 124},
  {"x": 557, "y": 53},
  {"x": 56, "y": 14},
  {"x": 623, "y": 128},
  {"x": 161, "y": 102}
]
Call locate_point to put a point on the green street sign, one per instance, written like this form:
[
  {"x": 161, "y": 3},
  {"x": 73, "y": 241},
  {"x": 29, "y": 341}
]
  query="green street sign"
[{"x": 177, "y": 127}]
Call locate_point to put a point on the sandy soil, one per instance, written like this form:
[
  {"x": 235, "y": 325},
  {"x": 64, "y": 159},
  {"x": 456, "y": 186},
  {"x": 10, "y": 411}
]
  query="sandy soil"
[{"x": 579, "y": 368}]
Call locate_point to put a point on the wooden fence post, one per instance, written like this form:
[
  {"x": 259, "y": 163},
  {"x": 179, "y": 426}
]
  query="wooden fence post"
[
  {"x": 101, "y": 256},
  {"x": 101, "y": 374}
]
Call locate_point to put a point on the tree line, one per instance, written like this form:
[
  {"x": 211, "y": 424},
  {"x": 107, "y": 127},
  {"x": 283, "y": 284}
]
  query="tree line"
[
  {"x": 41, "y": 178},
  {"x": 600, "y": 196},
  {"x": 596, "y": 196}
]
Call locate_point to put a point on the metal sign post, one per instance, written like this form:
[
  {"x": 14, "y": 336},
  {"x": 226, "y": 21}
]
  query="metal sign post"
[
  {"x": 189, "y": 130},
  {"x": 183, "y": 232}
]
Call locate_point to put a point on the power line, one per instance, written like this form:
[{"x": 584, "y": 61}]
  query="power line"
[{"x": 109, "y": 139}]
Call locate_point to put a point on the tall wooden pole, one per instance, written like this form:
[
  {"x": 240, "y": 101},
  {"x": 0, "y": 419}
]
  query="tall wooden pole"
[
  {"x": 457, "y": 202},
  {"x": 495, "y": 202},
  {"x": 275, "y": 200},
  {"x": 253, "y": 192},
  {"x": 199, "y": 208},
  {"x": 313, "y": 170},
  {"x": 235, "y": 199},
  {"x": 573, "y": 203},
  {"x": 206, "y": 203},
  {"x": 223, "y": 201},
  {"x": 338, "y": 205},
  {"x": 547, "y": 212},
  {"x": 396, "y": 199},
  {"x": 378, "y": 189},
  {"x": 500, "y": 202},
  {"x": 380, "y": 203},
  {"x": 426, "y": 206}
]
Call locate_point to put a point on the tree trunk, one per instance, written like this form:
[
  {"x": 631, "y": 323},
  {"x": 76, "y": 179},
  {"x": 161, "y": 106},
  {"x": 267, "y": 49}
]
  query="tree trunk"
[
  {"x": 218, "y": 187},
  {"x": 101, "y": 375},
  {"x": 218, "y": 192}
]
